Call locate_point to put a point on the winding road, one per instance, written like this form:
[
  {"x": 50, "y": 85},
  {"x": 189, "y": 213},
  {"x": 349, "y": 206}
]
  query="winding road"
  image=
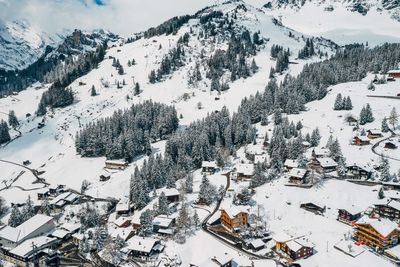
[{"x": 393, "y": 135}]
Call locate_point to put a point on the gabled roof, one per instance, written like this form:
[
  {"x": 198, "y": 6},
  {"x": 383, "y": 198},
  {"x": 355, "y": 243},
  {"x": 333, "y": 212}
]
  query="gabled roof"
[
  {"x": 363, "y": 138},
  {"x": 233, "y": 211},
  {"x": 209, "y": 164},
  {"x": 291, "y": 163},
  {"x": 60, "y": 233},
  {"x": 162, "y": 221},
  {"x": 327, "y": 162},
  {"x": 116, "y": 162},
  {"x": 169, "y": 192},
  {"x": 297, "y": 172},
  {"x": 141, "y": 244},
  {"x": 383, "y": 226},
  {"x": 321, "y": 151},
  {"x": 26, "y": 248},
  {"x": 245, "y": 168},
  {"x": 257, "y": 243},
  {"x": 375, "y": 131}
]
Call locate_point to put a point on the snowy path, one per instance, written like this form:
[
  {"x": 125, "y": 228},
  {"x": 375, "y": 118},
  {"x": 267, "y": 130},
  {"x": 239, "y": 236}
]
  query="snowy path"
[{"x": 382, "y": 154}]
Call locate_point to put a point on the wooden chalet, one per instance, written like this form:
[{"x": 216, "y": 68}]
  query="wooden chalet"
[
  {"x": 327, "y": 164},
  {"x": 290, "y": 164},
  {"x": 224, "y": 260},
  {"x": 208, "y": 167},
  {"x": 143, "y": 247},
  {"x": 295, "y": 249},
  {"x": 349, "y": 215},
  {"x": 297, "y": 175},
  {"x": 234, "y": 219},
  {"x": 359, "y": 171},
  {"x": 390, "y": 210},
  {"x": 314, "y": 207},
  {"x": 377, "y": 234},
  {"x": 390, "y": 145},
  {"x": 116, "y": 164},
  {"x": 123, "y": 221},
  {"x": 374, "y": 133},
  {"x": 361, "y": 140},
  {"x": 394, "y": 74},
  {"x": 244, "y": 171},
  {"x": 320, "y": 152},
  {"x": 104, "y": 176},
  {"x": 163, "y": 224},
  {"x": 172, "y": 194},
  {"x": 43, "y": 193}
]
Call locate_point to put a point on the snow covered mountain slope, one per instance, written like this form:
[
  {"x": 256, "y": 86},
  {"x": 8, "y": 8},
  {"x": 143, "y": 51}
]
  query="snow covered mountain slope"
[
  {"x": 344, "y": 22},
  {"x": 21, "y": 44},
  {"x": 115, "y": 91}
]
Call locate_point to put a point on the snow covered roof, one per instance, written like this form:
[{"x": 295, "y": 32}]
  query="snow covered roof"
[
  {"x": 64, "y": 197},
  {"x": 122, "y": 206},
  {"x": 298, "y": 243},
  {"x": 363, "y": 166},
  {"x": 363, "y": 138},
  {"x": 291, "y": 163},
  {"x": 393, "y": 71},
  {"x": 394, "y": 251},
  {"x": 78, "y": 236},
  {"x": 392, "y": 194},
  {"x": 60, "y": 233},
  {"x": 223, "y": 259},
  {"x": 394, "y": 204},
  {"x": 383, "y": 226},
  {"x": 208, "y": 164},
  {"x": 321, "y": 151},
  {"x": 327, "y": 162},
  {"x": 25, "y": 229},
  {"x": 71, "y": 227},
  {"x": 169, "y": 192},
  {"x": 375, "y": 131},
  {"x": 25, "y": 249},
  {"x": 254, "y": 149},
  {"x": 257, "y": 243},
  {"x": 245, "y": 169},
  {"x": 116, "y": 162},
  {"x": 353, "y": 209},
  {"x": 232, "y": 211},
  {"x": 282, "y": 237},
  {"x": 122, "y": 220},
  {"x": 121, "y": 232},
  {"x": 9, "y": 233},
  {"x": 162, "y": 221},
  {"x": 141, "y": 244},
  {"x": 297, "y": 172},
  {"x": 263, "y": 263}
]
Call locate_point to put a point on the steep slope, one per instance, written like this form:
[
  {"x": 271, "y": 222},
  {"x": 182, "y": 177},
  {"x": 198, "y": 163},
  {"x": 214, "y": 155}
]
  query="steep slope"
[
  {"x": 201, "y": 36},
  {"x": 21, "y": 44},
  {"x": 342, "y": 21}
]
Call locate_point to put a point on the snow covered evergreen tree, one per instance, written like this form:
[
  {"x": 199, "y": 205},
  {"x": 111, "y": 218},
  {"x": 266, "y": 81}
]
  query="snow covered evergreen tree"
[
  {"x": 163, "y": 204},
  {"x": 4, "y": 133},
  {"x": 146, "y": 223},
  {"x": 385, "y": 126},
  {"x": 207, "y": 191},
  {"x": 12, "y": 119}
]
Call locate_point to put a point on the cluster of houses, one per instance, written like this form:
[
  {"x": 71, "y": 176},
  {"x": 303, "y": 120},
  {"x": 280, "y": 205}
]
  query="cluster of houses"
[{"x": 363, "y": 140}]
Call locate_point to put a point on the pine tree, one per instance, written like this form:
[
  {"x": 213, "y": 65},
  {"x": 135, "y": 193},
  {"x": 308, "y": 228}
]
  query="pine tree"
[
  {"x": 152, "y": 76},
  {"x": 12, "y": 119},
  {"x": 196, "y": 220},
  {"x": 4, "y": 134},
  {"x": 385, "y": 169},
  {"x": 183, "y": 221},
  {"x": 338, "y": 102},
  {"x": 347, "y": 103},
  {"x": 137, "y": 89},
  {"x": 163, "y": 204},
  {"x": 28, "y": 211},
  {"x": 253, "y": 67},
  {"x": 385, "y": 126},
  {"x": 16, "y": 217},
  {"x": 189, "y": 183},
  {"x": 393, "y": 118},
  {"x": 371, "y": 86},
  {"x": 146, "y": 223},
  {"x": 93, "y": 91},
  {"x": 207, "y": 191}
]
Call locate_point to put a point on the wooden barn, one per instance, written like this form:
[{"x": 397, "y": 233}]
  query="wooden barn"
[
  {"x": 297, "y": 175},
  {"x": 349, "y": 215},
  {"x": 373, "y": 134},
  {"x": 394, "y": 74},
  {"x": 361, "y": 140},
  {"x": 116, "y": 164},
  {"x": 314, "y": 207},
  {"x": 390, "y": 145},
  {"x": 295, "y": 249}
]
